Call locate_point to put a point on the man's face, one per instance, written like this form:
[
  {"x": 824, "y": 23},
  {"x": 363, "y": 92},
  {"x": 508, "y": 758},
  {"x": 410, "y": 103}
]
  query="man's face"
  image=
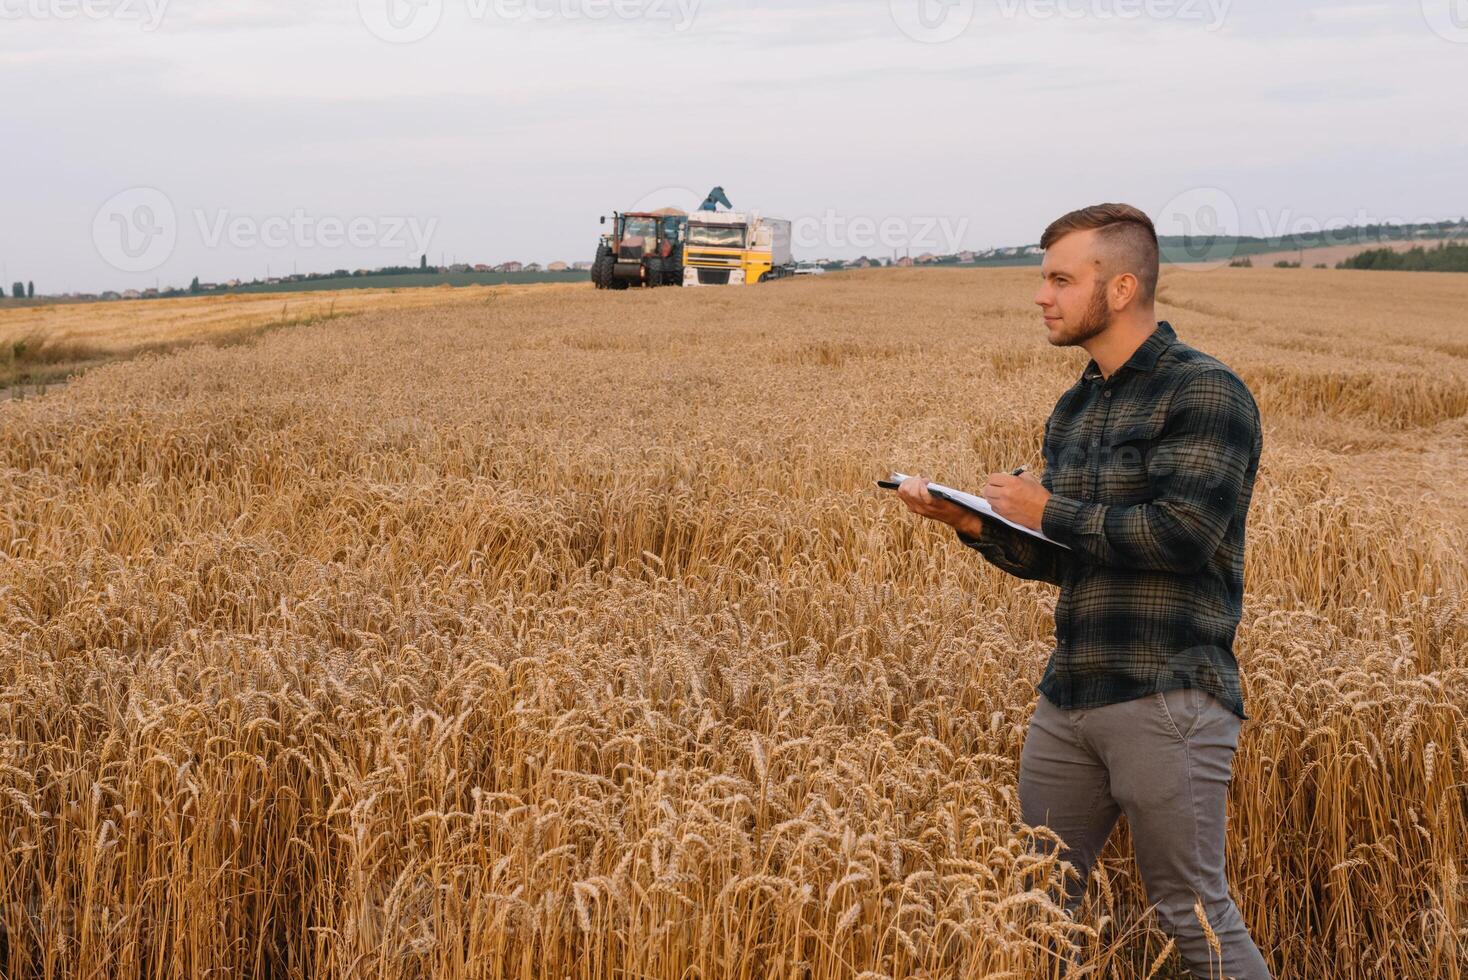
[{"x": 1073, "y": 294}]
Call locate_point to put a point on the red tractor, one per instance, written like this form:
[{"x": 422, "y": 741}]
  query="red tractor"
[{"x": 643, "y": 248}]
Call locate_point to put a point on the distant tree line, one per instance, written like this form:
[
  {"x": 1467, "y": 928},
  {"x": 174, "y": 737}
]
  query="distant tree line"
[
  {"x": 195, "y": 287},
  {"x": 1446, "y": 257},
  {"x": 1185, "y": 248}
]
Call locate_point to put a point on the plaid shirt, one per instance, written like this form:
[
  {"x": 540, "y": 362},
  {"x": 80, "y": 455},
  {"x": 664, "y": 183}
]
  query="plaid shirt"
[{"x": 1150, "y": 471}]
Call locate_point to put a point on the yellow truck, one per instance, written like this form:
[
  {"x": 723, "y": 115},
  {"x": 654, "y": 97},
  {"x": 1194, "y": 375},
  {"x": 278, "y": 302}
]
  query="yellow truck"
[{"x": 735, "y": 248}]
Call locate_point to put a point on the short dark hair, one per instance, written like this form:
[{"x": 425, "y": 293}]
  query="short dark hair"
[{"x": 1127, "y": 236}]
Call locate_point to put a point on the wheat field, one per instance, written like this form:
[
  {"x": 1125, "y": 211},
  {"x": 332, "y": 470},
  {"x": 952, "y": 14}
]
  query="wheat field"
[
  {"x": 43, "y": 344},
  {"x": 564, "y": 634}
]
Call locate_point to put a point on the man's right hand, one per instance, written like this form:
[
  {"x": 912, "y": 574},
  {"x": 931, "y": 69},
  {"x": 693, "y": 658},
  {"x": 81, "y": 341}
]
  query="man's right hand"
[{"x": 914, "y": 493}]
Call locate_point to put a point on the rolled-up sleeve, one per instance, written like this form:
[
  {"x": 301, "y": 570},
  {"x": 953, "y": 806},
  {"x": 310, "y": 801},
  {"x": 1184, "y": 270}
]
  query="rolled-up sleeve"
[{"x": 1196, "y": 471}]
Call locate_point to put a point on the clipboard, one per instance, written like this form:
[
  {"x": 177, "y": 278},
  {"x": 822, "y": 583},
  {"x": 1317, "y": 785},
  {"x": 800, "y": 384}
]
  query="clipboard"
[{"x": 970, "y": 502}]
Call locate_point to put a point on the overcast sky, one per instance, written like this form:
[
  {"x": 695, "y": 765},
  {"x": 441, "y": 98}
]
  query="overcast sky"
[{"x": 151, "y": 141}]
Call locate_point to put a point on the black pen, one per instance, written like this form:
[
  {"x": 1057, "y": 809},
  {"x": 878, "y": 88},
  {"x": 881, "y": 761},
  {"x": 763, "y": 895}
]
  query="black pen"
[{"x": 1018, "y": 470}]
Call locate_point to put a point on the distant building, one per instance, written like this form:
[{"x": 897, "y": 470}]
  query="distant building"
[
  {"x": 481, "y": 267},
  {"x": 1033, "y": 250},
  {"x": 150, "y": 293},
  {"x": 965, "y": 256},
  {"x": 905, "y": 261},
  {"x": 927, "y": 258},
  {"x": 111, "y": 295},
  {"x": 581, "y": 266},
  {"x": 131, "y": 294},
  {"x": 534, "y": 267},
  {"x": 461, "y": 267},
  {"x": 556, "y": 267},
  {"x": 509, "y": 267}
]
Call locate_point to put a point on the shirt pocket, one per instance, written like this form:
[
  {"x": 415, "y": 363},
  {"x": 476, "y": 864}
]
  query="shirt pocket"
[
  {"x": 1067, "y": 464},
  {"x": 1126, "y": 452}
]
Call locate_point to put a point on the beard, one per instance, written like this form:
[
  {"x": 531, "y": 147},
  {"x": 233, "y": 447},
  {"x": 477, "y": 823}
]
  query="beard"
[{"x": 1096, "y": 318}]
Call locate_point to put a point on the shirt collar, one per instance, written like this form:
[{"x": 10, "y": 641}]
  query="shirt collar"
[{"x": 1144, "y": 358}]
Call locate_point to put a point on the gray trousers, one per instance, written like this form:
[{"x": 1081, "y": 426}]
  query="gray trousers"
[{"x": 1164, "y": 760}]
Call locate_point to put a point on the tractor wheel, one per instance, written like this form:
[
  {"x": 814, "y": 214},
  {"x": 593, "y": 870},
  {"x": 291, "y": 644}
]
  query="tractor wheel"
[{"x": 601, "y": 269}]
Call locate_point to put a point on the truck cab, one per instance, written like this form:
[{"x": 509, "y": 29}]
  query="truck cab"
[{"x": 735, "y": 248}]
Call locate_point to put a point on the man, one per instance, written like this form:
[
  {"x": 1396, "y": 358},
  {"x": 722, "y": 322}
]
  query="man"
[{"x": 1150, "y": 461}]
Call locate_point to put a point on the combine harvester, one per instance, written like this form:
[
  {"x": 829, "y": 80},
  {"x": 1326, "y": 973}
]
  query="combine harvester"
[{"x": 707, "y": 248}]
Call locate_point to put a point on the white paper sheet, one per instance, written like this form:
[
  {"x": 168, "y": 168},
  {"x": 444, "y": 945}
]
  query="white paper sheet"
[{"x": 978, "y": 505}]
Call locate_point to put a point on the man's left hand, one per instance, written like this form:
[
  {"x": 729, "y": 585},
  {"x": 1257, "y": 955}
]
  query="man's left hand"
[{"x": 1017, "y": 498}]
